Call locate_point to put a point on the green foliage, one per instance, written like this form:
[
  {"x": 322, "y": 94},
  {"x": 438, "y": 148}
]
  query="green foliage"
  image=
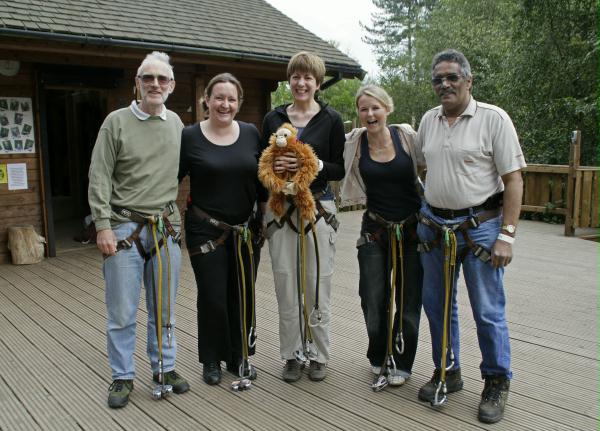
[{"x": 538, "y": 60}]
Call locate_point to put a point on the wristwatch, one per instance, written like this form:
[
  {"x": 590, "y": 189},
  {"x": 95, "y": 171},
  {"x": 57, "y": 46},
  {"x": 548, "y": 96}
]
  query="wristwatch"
[{"x": 510, "y": 228}]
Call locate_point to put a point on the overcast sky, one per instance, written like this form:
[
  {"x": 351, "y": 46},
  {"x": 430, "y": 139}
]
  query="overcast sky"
[{"x": 335, "y": 20}]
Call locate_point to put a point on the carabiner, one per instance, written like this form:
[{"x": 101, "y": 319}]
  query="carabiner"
[
  {"x": 319, "y": 317},
  {"x": 252, "y": 337},
  {"x": 437, "y": 401},
  {"x": 399, "y": 341}
]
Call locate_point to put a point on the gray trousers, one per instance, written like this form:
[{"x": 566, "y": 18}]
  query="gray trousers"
[{"x": 283, "y": 251}]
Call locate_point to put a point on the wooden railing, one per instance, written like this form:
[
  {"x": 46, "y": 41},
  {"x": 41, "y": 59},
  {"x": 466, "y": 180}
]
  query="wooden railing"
[{"x": 569, "y": 190}]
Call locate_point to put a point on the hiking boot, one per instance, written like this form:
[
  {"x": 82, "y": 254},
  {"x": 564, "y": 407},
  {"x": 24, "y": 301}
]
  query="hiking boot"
[
  {"x": 292, "y": 370},
  {"x": 395, "y": 378},
  {"x": 179, "y": 384},
  {"x": 211, "y": 373},
  {"x": 118, "y": 393},
  {"x": 234, "y": 368},
  {"x": 454, "y": 383},
  {"x": 317, "y": 371},
  {"x": 493, "y": 399}
]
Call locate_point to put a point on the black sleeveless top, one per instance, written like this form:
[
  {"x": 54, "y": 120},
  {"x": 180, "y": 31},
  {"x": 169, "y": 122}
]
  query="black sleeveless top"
[{"x": 390, "y": 186}]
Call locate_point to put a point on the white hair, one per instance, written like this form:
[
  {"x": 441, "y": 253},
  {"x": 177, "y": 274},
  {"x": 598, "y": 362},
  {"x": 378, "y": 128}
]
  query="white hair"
[{"x": 156, "y": 57}]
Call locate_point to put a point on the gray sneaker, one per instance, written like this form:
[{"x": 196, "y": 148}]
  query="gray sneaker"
[
  {"x": 317, "y": 371},
  {"x": 454, "y": 383},
  {"x": 292, "y": 370},
  {"x": 493, "y": 399},
  {"x": 118, "y": 393}
]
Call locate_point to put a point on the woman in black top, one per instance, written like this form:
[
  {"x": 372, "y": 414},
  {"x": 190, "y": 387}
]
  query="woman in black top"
[
  {"x": 221, "y": 157},
  {"x": 381, "y": 171},
  {"x": 321, "y": 127}
]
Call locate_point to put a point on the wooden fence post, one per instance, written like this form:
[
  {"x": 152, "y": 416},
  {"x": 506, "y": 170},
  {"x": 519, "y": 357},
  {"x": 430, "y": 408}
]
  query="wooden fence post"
[{"x": 574, "y": 158}]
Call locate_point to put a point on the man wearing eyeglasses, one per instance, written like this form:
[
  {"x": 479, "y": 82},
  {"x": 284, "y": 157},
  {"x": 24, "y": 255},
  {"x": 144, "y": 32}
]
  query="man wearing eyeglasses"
[
  {"x": 473, "y": 200},
  {"x": 132, "y": 191}
]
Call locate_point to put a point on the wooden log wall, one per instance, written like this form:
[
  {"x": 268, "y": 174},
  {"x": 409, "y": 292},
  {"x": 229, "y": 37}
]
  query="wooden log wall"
[
  {"x": 26, "y": 206},
  {"x": 21, "y": 206}
]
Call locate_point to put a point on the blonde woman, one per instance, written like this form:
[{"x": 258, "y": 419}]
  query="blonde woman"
[{"x": 381, "y": 172}]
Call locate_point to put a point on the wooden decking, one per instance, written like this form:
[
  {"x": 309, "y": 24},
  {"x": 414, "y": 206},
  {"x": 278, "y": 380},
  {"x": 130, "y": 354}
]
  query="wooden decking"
[{"x": 54, "y": 373}]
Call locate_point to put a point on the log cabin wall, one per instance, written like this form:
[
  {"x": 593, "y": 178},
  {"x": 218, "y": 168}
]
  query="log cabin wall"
[{"x": 192, "y": 73}]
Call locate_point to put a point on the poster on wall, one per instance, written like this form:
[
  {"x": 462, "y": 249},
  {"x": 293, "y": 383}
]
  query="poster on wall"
[{"x": 16, "y": 125}]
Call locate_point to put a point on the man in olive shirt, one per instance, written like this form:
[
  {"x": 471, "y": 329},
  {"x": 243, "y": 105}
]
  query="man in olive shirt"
[
  {"x": 133, "y": 175},
  {"x": 474, "y": 187}
]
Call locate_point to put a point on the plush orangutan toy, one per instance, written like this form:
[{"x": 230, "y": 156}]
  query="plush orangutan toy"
[{"x": 289, "y": 183}]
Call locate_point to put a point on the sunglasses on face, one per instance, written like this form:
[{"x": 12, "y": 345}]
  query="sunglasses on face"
[
  {"x": 451, "y": 77},
  {"x": 148, "y": 79}
]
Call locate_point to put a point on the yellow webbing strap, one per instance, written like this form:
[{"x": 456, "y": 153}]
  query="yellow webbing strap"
[
  {"x": 158, "y": 292},
  {"x": 449, "y": 247}
]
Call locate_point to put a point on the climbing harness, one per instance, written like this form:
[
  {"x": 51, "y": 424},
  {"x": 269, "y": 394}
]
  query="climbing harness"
[
  {"x": 242, "y": 236},
  {"x": 142, "y": 220},
  {"x": 395, "y": 244}
]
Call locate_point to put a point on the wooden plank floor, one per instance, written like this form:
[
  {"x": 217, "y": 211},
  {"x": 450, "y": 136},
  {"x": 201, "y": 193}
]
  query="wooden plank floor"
[{"x": 54, "y": 372}]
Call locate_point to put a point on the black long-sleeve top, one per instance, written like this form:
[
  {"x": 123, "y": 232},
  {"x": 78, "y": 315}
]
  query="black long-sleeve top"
[
  {"x": 223, "y": 179},
  {"x": 324, "y": 133}
]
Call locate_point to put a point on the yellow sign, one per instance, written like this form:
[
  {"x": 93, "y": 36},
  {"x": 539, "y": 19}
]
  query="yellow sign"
[{"x": 3, "y": 176}]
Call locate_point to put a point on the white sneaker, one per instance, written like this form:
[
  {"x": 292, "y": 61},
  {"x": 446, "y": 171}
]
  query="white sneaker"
[
  {"x": 375, "y": 370},
  {"x": 395, "y": 379}
]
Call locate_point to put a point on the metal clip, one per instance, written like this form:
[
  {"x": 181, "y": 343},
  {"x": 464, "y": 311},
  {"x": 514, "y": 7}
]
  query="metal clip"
[
  {"x": 126, "y": 243},
  {"x": 169, "y": 334},
  {"x": 177, "y": 237},
  {"x": 380, "y": 383},
  {"x": 333, "y": 221},
  {"x": 437, "y": 401},
  {"x": 240, "y": 385},
  {"x": 482, "y": 253},
  {"x": 252, "y": 337},
  {"x": 399, "y": 341},
  {"x": 207, "y": 247},
  {"x": 474, "y": 221},
  {"x": 319, "y": 317},
  {"x": 245, "y": 370}
]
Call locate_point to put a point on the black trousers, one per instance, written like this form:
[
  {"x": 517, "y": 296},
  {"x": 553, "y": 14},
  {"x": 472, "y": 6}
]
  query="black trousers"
[
  {"x": 375, "y": 292},
  {"x": 219, "y": 294}
]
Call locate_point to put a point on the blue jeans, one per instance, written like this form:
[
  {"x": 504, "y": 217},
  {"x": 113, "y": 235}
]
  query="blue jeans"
[
  {"x": 374, "y": 297},
  {"x": 486, "y": 294},
  {"x": 123, "y": 275}
]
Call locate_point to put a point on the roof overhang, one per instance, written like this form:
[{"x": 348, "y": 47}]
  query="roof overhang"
[{"x": 336, "y": 69}]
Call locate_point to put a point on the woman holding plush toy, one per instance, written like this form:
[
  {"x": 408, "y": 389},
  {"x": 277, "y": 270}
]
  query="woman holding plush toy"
[
  {"x": 381, "y": 172},
  {"x": 220, "y": 155},
  {"x": 322, "y": 128}
]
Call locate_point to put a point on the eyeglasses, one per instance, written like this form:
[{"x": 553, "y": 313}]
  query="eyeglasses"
[
  {"x": 148, "y": 79},
  {"x": 451, "y": 77}
]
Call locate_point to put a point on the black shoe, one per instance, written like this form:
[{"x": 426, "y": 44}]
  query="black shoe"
[
  {"x": 317, "y": 371},
  {"x": 179, "y": 384},
  {"x": 454, "y": 383},
  {"x": 292, "y": 370},
  {"x": 212, "y": 373},
  {"x": 118, "y": 393},
  {"x": 493, "y": 399},
  {"x": 234, "y": 368}
]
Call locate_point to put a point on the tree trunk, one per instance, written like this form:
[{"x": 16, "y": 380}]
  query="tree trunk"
[{"x": 25, "y": 245}]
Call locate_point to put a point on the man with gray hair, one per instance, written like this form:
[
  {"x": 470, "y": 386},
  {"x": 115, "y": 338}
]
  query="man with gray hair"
[
  {"x": 473, "y": 200},
  {"x": 132, "y": 192}
]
